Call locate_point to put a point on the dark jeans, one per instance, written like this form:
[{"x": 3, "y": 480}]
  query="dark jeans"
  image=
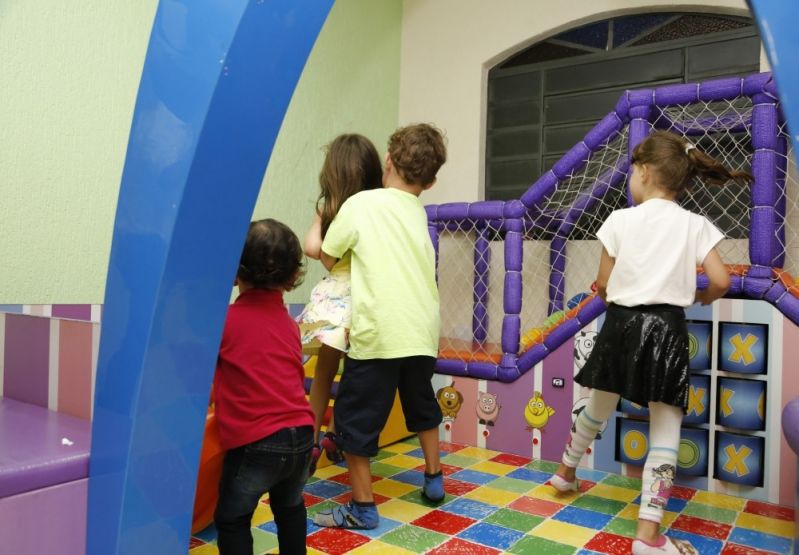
[{"x": 277, "y": 464}]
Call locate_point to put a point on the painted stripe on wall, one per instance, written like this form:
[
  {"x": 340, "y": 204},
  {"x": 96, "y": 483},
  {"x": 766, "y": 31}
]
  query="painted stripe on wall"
[
  {"x": 510, "y": 433},
  {"x": 2, "y": 349},
  {"x": 559, "y": 364},
  {"x": 465, "y": 425},
  {"x": 26, "y": 359},
  {"x": 75, "y": 369},
  {"x": 52, "y": 372}
]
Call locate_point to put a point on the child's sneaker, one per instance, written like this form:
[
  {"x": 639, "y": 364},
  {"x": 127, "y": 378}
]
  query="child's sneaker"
[
  {"x": 664, "y": 546},
  {"x": 433, "y": 489},
  {"x": 328, "y": 443},
  {"x": 562, "y": 485},
  {"x": 316, "y": 452},
  {"x": 356, "y": 515}
]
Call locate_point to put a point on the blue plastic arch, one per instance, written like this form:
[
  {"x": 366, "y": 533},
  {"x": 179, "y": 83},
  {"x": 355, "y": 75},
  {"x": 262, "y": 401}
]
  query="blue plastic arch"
[{"x": 216, "y": 83}]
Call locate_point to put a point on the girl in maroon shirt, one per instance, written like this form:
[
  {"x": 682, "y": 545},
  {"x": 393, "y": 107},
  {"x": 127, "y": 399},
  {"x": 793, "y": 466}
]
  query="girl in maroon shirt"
[{"x": 264, "y": 419}]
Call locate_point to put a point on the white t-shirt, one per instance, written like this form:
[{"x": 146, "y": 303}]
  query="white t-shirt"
[{"x": 657, "y": 246}]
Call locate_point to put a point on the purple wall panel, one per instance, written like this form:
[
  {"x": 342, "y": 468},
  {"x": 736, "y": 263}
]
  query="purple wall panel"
[
  {"x": 510, "y": 435},
  {"x": 559, "y": 364},
  {"x": 72, "y": 311},
  {"x": 26, "y": 359}
]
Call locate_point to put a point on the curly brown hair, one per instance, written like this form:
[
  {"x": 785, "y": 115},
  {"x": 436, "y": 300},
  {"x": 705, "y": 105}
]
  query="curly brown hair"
[
  {"x": 677, "y": 162},
  {"x": 351, "y": 165},
  {"x": 417, "y": 152},
  {"x": 272, "y": 257}
]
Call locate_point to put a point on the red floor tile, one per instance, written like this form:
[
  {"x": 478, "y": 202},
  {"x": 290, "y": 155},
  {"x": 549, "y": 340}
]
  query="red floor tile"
[
  {"x": 610, "y": 543},
  {"x": 533, "y": 506},
  {"x": 450, "y": 447},
  {"x": 771, "y": 511},
  {"x": 514, "y": 460},
  {"x": 458, "y": 488},
  {"x": 195, "y": 542},
  {"x": 346, "y": 497},
  {"x": 681, "y": 492},
  {"x": 585, "y": 485},
  {"x": 735, "y": 549},
  {"x": 335, "y": 541},
  {"x": 458, "y": 546},
  {"x": 344, "y": 478},
  {"x": 702, "y": 527},
  {"x": 444, "y": 522},
  {"x": 446, "y": 469},
  {"x": 311, "y": 500}
]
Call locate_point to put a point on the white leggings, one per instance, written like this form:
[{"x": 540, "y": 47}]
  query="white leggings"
[{"x": 664, "y": 441}]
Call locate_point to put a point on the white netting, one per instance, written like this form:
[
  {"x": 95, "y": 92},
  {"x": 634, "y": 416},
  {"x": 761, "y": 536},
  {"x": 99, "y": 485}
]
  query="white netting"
[{"x": 576, "y": 209}]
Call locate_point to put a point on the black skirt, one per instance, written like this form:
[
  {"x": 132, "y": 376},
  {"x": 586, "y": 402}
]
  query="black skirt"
[{"x": 641, "y": 353}]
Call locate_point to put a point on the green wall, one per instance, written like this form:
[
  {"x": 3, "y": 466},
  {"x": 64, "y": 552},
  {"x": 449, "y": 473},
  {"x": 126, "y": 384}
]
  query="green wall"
[{"x": 69, "y": 74}]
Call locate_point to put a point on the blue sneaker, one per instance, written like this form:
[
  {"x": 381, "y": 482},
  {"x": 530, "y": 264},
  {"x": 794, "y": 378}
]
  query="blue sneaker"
[
  {"x": 433, "y": 489},
  {"x": 361, "y": 516}
]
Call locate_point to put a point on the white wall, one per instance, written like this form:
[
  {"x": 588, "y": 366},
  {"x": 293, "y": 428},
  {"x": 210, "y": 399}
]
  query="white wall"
[{"x": 448, "y": 46}]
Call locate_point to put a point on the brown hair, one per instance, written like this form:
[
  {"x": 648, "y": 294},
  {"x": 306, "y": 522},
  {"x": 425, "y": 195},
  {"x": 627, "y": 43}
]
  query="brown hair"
[
  {"x": 272, "y": 257},
  {"x": 677, "y": 162},
  {"x": 417, "y": 152},
  {"x": 351, "y": 165}
]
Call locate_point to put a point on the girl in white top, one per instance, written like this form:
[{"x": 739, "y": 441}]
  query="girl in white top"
[
  {"x": 647, "y": 274},
  {"x": 351, "y": 165}
]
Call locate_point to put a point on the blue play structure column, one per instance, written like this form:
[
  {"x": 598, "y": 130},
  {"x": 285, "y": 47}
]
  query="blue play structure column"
[{"x": 216, "y": 83}]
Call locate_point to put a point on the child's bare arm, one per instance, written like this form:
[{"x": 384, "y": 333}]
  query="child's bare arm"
[
  {"x": 313, "y": 238},
  {"x": 718, "y": 277},
  {"x": 327, "y": 260},
  {"x": 606, "y": 263}
]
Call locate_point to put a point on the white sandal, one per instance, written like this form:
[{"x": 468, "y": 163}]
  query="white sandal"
[
  {"x": 670, "y": 547},
  {"x": 562, "y": 485}
]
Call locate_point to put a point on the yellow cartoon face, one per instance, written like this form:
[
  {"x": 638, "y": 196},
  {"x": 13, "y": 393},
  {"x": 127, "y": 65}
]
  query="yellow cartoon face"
[{"x": 537, "y": 413}]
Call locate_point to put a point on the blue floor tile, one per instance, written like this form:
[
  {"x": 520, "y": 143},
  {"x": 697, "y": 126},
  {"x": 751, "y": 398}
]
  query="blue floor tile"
[
  {"x": 591, "y": 475},
  {"x": 207, "y": 534},
  {"x": 419, "y": 454},
  {"x": 530, "y": 475},
  {"x": 583, "y": 517},
  {"x": 473, "y": 476},
  {"x": 326, "y": 489},
  {"x": 412, "y": 477},
  {"x": 386, "y": 525},
  {"x": 759, "y": 540},
  {"x": 704, "y": 545},
  {"x": 470, "y": 508},
  {"x": 491, "y": 535}
]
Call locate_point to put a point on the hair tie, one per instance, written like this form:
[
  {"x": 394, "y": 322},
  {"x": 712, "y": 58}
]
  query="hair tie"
[{"x": 689, "y": 147}]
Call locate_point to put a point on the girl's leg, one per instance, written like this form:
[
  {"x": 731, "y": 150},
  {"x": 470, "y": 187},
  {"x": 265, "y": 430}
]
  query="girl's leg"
[
  {"x": 659, "y": 470},
  {"x": 600, "y": 406},
  {"x": 327, "y": 362}
]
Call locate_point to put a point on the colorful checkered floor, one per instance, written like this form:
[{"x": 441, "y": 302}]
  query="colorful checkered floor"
[{"x": 501, "y": 503}]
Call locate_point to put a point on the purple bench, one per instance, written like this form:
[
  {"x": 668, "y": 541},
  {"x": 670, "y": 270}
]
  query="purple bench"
[{"x": 44, "y": 469}]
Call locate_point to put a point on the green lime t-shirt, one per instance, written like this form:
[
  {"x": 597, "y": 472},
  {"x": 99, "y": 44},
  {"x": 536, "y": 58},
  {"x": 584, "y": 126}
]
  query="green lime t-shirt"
[{"x": 395, "y": 306}]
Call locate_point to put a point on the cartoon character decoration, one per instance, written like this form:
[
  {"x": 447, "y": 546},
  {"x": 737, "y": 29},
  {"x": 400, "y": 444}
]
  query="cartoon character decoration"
[
  {"x": 487, "y": 408},
  {"x": 579, "y": 407},
  {"x": 537, "y": 413},
  {"x": 450, "y": 401},
  {"x": 661, "y": 487},
  {"x": 583, "y": 345}
]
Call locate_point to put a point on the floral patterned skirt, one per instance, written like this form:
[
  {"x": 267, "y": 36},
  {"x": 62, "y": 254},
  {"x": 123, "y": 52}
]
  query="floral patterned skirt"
[{"x": 330, "y": 309}]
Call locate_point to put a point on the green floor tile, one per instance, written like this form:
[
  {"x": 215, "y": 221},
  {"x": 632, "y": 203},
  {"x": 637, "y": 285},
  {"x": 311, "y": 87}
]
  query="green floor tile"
[
  {"x": 543, "y": 466},
  {"x": 382, "y": 454},
  {"x": 511, "y": 484},
  {"x": 327, "y": 504},
  {"x": 414, "y": 538},
  {"x": 622, "y": 527},
  {"x": 459, "y": 460},
  {"x": 623, "y": 482},
  {"x": 716, "y": 514},
  {"x": 385, "y": 470},
  {"x": 600, "y": 504},
  {"x": 262, "y": 540},
  {"x": 311, "y": 480},
  {"x": 515, "y": 520},
  {"x": 411, "y": 441},
  {"x": 540, "y": 546},
  {"x": 416, "y": 497}
]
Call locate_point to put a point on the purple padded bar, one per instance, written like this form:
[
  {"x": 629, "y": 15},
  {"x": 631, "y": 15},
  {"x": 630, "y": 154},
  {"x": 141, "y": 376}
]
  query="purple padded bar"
[
  {"x": 676, "y": 94},
  {"x": 543, "y": 187},
  {"x": 780, "y": 207},
  {"x": 452, "y": 211},
  {"x": 487, "y": 209},
  {"x": 765, "y": 131},
  {"x": 482, "y": 370},
  {"x": 531, "y": 357},
  {"x": 721, "y": 89},
  {"x": 32, "y": 455},
  {"x": 512, "y": 300},
  {"x": 557, "y": 273},
  {"x": 433, "y": 230},
  {"x": 640, "y": 103},
  {"x": 789, "y": 305},
  {"x": 451, "y": 367},
  {"x": 482, "y": 261}
]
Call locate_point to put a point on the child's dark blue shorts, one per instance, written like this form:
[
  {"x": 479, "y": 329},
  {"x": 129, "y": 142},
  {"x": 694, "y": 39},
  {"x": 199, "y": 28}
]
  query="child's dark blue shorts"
[{"x": 366, "y": 395}]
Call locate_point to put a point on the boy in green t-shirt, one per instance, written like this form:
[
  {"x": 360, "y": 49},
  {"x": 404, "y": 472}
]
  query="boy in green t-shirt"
[{"x": 395, "y": 318}]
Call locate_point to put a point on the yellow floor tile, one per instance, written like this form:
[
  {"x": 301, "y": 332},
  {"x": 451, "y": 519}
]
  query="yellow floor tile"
[
  {"x": 329, "y": 472},
  {"x": 477, "y": 453},
  {"x": 312, "y": 551},
  {"x": 562, "y": 532},
  {"x": 392, "y": 488},
  {"x": 766, "y": 525},
  {"x": 492, "y": 496},
  {"x": 376, "y": 547},
  {"x": 206, "y": 549},
  {"x": 668, "y": 518},
  {"x": 403, "y": 511},
  {"x": 613, "y": 492},
  {"x": 491, "y": 467},
  {"x": 263, "y": 513},
  {"x": 630, "y": 512},
  {"x": 719, "y": 500},
  {"x": 403, "y": 461},
  {"x": 400, "y": 447},
  {"x": 547, "y": 492}
]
